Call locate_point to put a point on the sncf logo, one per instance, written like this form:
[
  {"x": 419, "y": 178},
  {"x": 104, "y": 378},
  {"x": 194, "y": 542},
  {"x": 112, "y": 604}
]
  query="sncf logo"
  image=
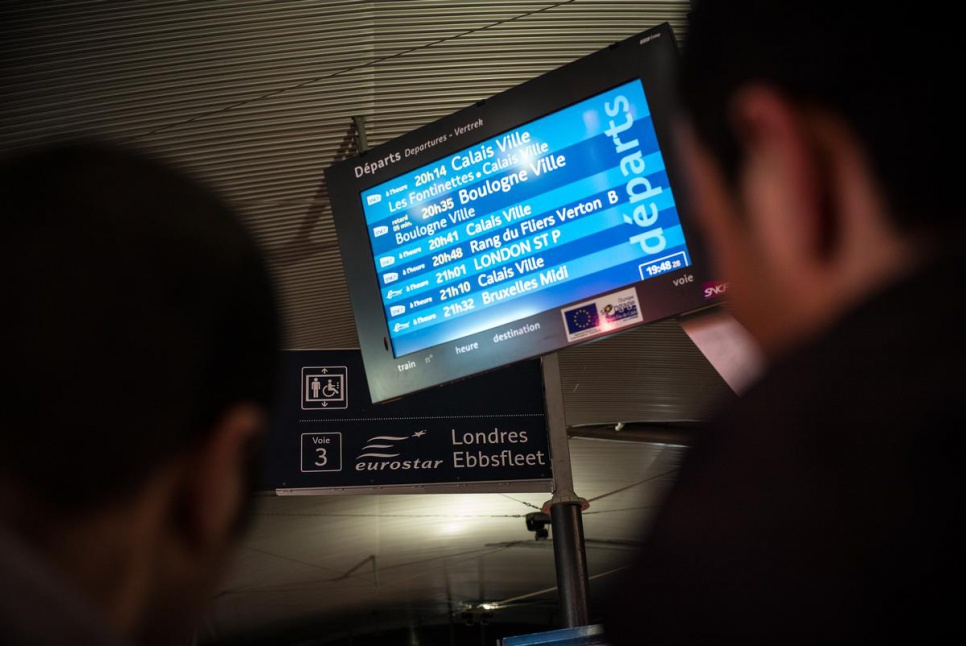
[{"x": 716, "y": 288}]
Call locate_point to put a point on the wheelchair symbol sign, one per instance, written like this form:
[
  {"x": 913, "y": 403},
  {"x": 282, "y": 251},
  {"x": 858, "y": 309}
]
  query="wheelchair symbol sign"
[{"x": 324, "y": 387}]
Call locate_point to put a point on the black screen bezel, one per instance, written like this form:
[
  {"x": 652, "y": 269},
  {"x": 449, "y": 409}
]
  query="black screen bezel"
[{"x": 652, "y": 57}]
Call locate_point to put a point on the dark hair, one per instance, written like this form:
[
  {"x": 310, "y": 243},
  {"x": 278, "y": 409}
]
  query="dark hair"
[
  {"x": 884, "y": 71},
  {"x": 136, "y": 308}
]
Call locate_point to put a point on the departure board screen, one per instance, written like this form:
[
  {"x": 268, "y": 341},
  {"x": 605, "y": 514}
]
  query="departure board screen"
[
  {"x": 542, "y": 217},
  {"x": 562, "y": 208}
]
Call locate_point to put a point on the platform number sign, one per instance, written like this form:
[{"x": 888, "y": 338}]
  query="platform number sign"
[{"x": 321, "y": 452}]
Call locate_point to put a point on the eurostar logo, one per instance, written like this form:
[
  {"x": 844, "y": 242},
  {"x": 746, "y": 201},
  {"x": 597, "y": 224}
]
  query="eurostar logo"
[{"x": 385, "y": 453}]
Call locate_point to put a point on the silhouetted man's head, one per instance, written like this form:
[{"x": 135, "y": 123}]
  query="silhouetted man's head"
[
  {"x": 140, "y": 331},
  {"x": 817, "y": 147}
]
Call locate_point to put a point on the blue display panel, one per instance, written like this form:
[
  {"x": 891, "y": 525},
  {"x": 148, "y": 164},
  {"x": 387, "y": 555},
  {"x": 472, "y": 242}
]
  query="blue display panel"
[
  {"x": 592, "y": 635},
  {"x": 542, "y": 217},
  {"x": 558, "y": 209}
]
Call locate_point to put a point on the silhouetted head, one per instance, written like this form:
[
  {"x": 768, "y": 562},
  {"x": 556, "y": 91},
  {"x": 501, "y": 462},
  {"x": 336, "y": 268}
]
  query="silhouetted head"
[
  {"x": 141, "y": 334},
  {"x": 816, "y": 146}
]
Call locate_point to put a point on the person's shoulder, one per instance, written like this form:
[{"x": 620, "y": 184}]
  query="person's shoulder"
[
  {"x": 896, "y": 362},
  {"x": 37, "y": 608}
]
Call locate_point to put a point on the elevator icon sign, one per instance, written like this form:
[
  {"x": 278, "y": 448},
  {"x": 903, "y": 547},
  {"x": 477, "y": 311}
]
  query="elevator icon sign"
[{"x": 324, "y": 387}]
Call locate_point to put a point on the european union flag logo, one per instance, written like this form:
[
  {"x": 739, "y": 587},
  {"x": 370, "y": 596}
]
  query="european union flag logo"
[{"x": 582, "y": 318}]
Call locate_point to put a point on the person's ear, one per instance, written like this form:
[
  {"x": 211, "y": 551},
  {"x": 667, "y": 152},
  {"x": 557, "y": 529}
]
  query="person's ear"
[
  {"x": 218, "y": 477},
  {"x": 785, "y": 187}
]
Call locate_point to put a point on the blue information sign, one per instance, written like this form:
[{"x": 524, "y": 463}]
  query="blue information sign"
[
  {"x": 592, "y": 635},
  {"x": 565, "y": 207}
]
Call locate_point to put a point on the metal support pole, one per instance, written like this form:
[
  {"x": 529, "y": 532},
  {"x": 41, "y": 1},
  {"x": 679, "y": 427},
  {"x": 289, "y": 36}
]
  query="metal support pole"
[
  {"x": 571, "y": 563},
  {"x": 565, "y": 508},
  {"x": 362, "y": 139}
]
